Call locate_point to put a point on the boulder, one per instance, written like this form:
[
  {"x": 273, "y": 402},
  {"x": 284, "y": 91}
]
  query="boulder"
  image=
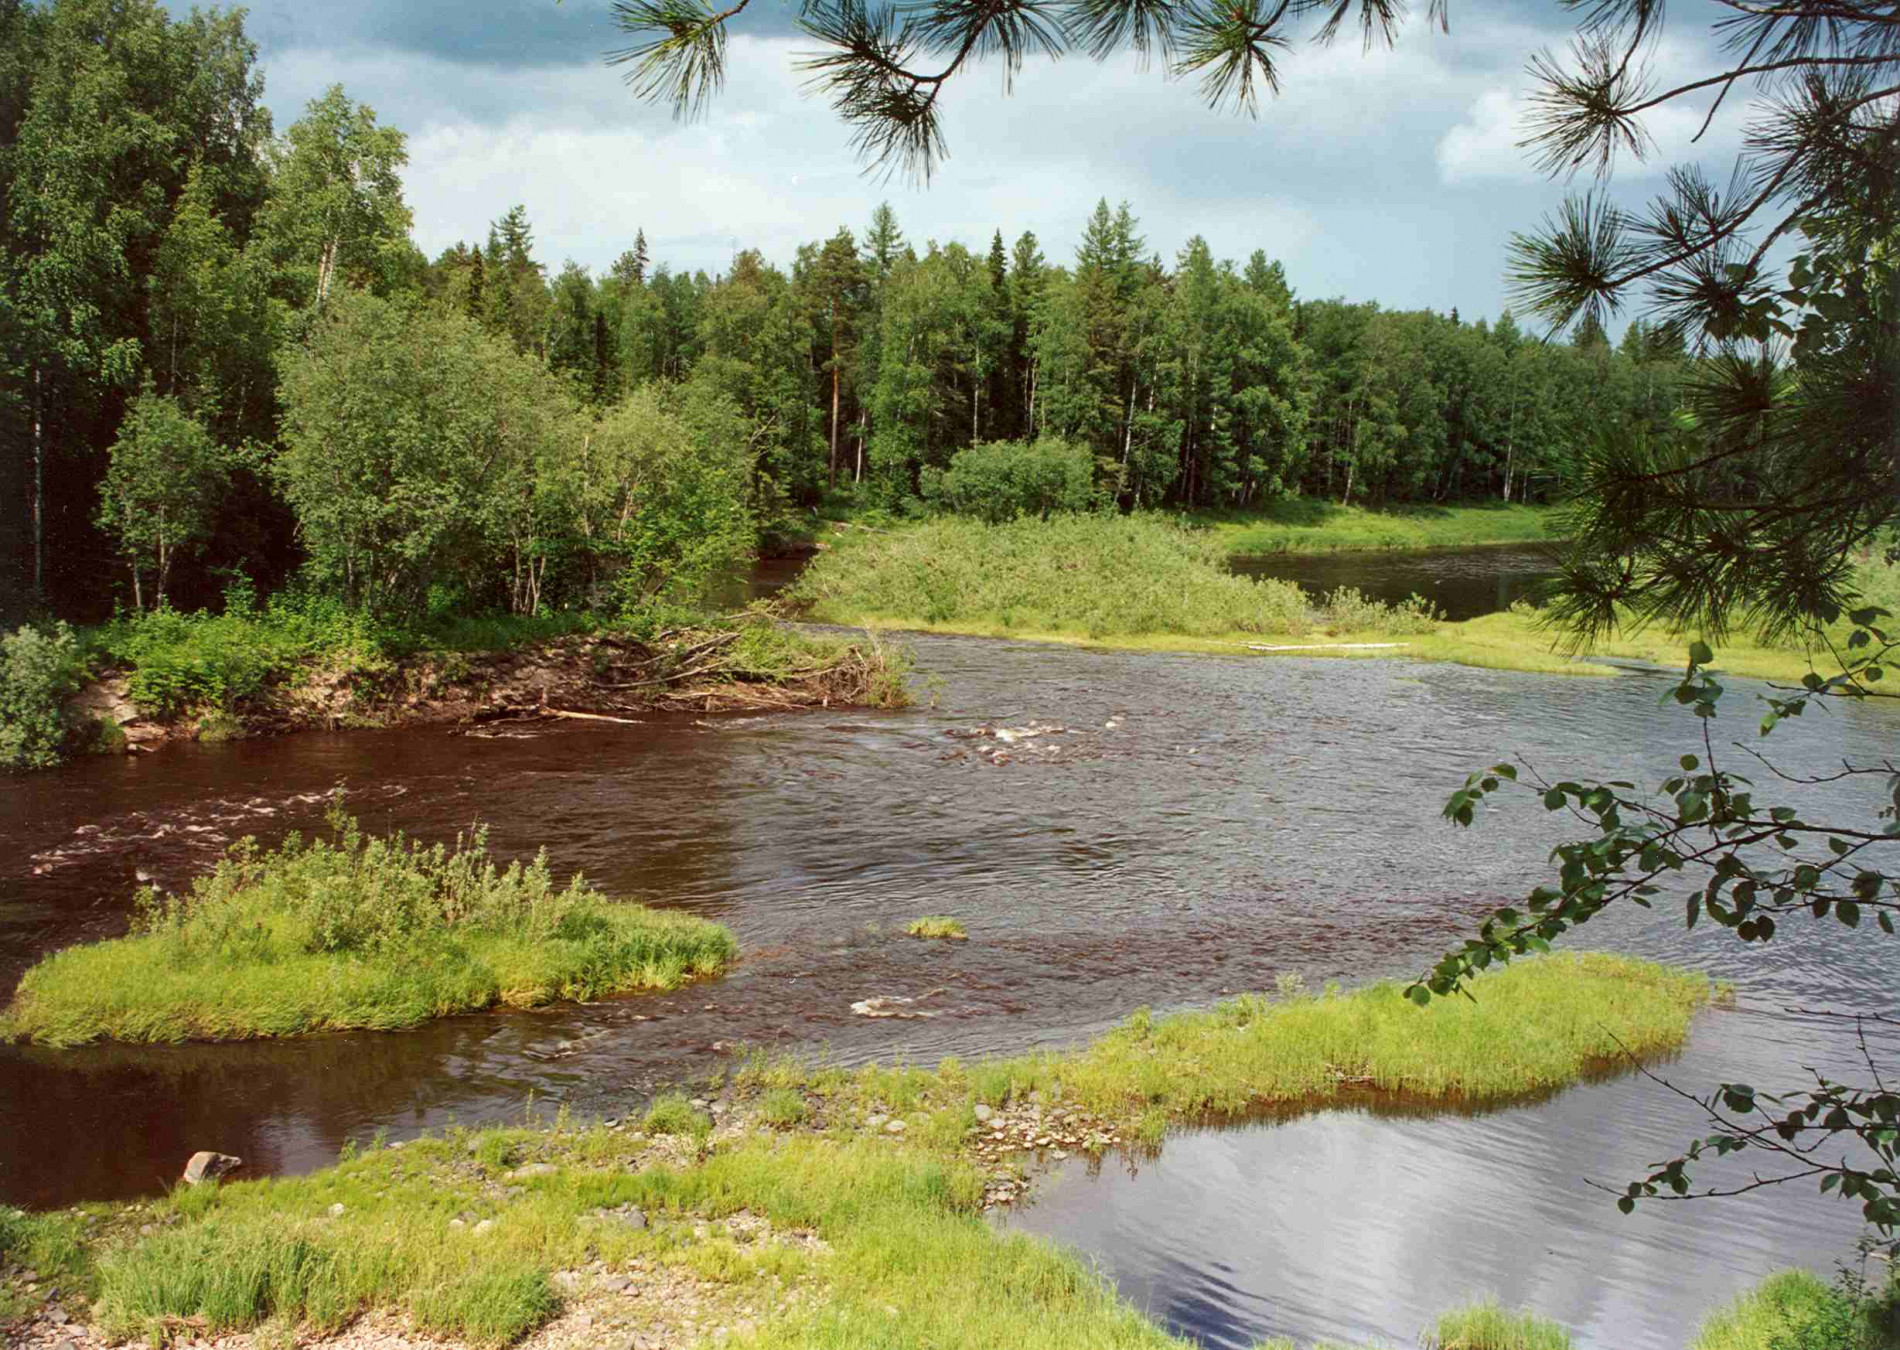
[{"x": 206, "y": 1166}]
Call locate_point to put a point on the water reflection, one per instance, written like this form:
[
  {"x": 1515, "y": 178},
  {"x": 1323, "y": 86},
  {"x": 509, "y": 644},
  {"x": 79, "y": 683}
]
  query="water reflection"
[
  {"x": 1364, "y": 1226},
  {"x": 1463, "y": 583}
]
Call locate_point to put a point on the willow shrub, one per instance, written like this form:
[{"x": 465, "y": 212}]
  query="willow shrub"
[
  {"x": 998, "y": 481},
  {"x": 354, "y": 932},
  {"x": 39, "y": 670}
]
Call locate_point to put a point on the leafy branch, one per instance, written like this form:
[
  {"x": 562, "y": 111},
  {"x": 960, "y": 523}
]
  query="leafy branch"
[{"x": 1748, "y": 865}]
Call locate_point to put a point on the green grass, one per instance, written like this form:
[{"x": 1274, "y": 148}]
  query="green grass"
[
  {"x": 1477, "y": 1326},
  {"x": 1534, "y": 1027},
  {"x": 354, "y": 933},
  {"x": 1088, "y": 577},
  {"x": 1798, "y": 1311},
  {"x": 938, "y": 926},
  {"x": 1310, "y": 525},
  {"x": 1139, "y": 583},
  {"x": 672, "y": 1113},
  {"x": 1486, "y": 1326},
  {"x": 451, "y": 1233}
]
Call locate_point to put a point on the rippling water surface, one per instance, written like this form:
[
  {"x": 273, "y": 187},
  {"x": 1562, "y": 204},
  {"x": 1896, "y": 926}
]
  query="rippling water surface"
[{"x": 1204, "y": 825}]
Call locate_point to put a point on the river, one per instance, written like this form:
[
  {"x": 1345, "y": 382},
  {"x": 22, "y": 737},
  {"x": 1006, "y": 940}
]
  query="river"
[{"x": 1205, "y": 825}]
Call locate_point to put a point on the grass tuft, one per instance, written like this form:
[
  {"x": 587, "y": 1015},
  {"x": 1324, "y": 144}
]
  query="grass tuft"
[
  {"x": 1783, "y": 1312},
  {"x": 354, "y": 932},
  {"x": 938, "y": 926},
  {"x": 1486, "y": 1326},
  {"x": 672, "y": 1113}
]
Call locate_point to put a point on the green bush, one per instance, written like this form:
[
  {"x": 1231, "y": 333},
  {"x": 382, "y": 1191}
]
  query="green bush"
[
  {"x": 39, "y": 670},
  {"x": 998, "y": 481},
  {"x": 179, "y": 662},
  {"x": 1350, "y": 610}
]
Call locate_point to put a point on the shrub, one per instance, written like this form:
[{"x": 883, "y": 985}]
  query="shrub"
[
  {"x": 179, "y": 662},
  {"x": 39, "y": 670},
  {"x": 1349, "y": 610},
  {"x": 998, "y": 481}
]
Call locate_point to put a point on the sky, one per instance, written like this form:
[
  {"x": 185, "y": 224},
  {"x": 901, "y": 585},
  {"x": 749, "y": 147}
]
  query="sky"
[{"x": 1391, "y": 176}]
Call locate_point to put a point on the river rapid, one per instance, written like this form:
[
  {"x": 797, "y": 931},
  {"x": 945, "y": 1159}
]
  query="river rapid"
[{"x": 1202, "y": 826}]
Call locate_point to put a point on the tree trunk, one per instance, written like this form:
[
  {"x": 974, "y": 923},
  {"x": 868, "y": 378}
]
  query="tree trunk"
[
  {"x": 834, "y": 395},
  {"x": 1510, "y": 438},
  {"x": 326, "y": 269},
  {"x": 39, "y": 487}
]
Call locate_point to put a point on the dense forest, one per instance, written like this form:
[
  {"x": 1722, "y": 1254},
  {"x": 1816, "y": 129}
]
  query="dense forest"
[{"x": 226, "y": 360}]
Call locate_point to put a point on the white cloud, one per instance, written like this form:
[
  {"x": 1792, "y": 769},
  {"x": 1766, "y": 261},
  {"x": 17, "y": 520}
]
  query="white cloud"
[{"x": 1343, "y": 178}]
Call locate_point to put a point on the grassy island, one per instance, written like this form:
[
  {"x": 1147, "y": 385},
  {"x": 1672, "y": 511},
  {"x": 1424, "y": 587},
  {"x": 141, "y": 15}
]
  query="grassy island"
[
  {"x": 825, "y": 1207},
  {"x": 354, "y": 933},
  {"x": 1146, "y": 582}
]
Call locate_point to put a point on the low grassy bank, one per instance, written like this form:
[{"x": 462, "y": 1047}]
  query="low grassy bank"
[
  {"x": 821, "y": 1207},
  {"x": 1311, "y": 525},
  {"x": 303, "y": 663},
  {"x": 354, "y": 933},
  {"x": 1141, "y": 583},
  {"x": 1093, "y": 577}
]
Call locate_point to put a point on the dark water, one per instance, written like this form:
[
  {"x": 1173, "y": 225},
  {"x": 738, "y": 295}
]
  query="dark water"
[
  {"x": 1463, "y": 583},
  {"x": 1239, "y": 819}
]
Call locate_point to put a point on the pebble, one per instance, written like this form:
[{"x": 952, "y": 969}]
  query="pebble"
[
  {"x": 336, "y": 1210},
  {"x": 484, "y": 1226},
  {"x": 894, "y": 1127},
  {"x": 983, "y": 1112},
  {"x": 540, "y": 1169}
]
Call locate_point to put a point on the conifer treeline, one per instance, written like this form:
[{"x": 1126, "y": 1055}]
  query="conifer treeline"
[
  {"x": 161, "y": 239},
  {"x": 1203, "y": 383}
]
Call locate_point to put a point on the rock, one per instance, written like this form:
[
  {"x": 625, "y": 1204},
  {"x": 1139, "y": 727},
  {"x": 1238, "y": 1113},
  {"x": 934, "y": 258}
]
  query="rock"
[
  {"x": 533, "y": 1170},
  {"x": 484, "y": 1226},
  {"x": 457, "y": 1223},
  {"x": 700, "y": 1103},
  {"x": 57, "y": 1316},
  {"x": 894, "y": 1127},
  {"x": 567, "y": 1280},
  {"x": 634, "y": 1218},
  {"x": 616, "y": 1284},
  {"x": 65, "y": 1345},
  {"x": 206, "y": 1166},
  {"x": 875, "y": 1122},
  {"x": 336, "y": 1210},
  {"x": 983, "y": 1112}
]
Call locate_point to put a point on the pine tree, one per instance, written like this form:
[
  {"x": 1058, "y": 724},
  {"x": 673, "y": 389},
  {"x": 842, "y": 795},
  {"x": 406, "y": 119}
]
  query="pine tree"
[
  {"x": 1589, "y": 333},
  {"x": 883, "y": 242}
]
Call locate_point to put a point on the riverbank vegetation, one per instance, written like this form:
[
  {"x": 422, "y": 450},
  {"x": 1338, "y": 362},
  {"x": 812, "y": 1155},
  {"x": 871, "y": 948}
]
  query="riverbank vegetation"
[
  {"x": 354, "y": 932},
  {"x": 1319, "y": 525},
  {"x": 803, "y": 1205},
  {"x": 1099, "y": 576},
  {"x": 1147, "y": 582}
]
